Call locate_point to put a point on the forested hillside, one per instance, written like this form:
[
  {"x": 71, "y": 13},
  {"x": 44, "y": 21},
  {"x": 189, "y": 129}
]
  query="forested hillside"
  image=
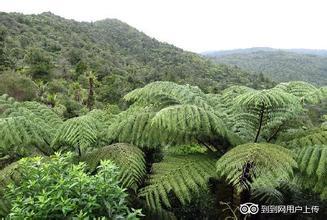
[
  {"x": 99, "y": 121},
  {"x": 279, "y": 65},
  {"x": 60, "y": 53}
]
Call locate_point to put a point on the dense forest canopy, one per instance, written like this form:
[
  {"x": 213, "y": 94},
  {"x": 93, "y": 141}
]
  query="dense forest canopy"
[
  {"x": 279, "y": 65},
  {"x": 175, "y": 146},
  {"x": 58, "y": 52},
  {"x": 97, "y": 120}
]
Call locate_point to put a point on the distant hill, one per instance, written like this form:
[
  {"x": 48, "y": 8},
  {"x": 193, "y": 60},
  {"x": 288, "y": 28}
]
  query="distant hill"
[
  {"x": 122, "y": 57},
  {"x": 279, "y": 65},
  {"x": 219, "y": 53}
]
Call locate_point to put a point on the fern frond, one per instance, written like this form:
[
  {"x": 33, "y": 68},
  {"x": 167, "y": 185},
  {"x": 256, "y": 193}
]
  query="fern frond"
[
  {"x": 128, "y": 158},
  {"x": 172, "y": 92},
  {"x": 312, "y": 174},
  {"x": 245, "y": 163},
  {"x": 81, "y": 133},
  {"x": 22, "y": 136},
  {"x": 275, "y": 193},
  {"x": 175, "y": 125},
  {"x": 44, "y": 113},
  {"x": 268, "y": 195},
  {"x": 229, "y": 94},
  {"x": 180, "y": 175},
  {"x": 258, "y": 112},
  {"x": 268, "y": 97},
  {"x": 317, "y": 96},
  {"x": 298, "y": 88},
  {"x": 190, "y": 120},
  {"x": 136, "y": 129},
  {"x": 37, "y": 113},
  {"x": 315, "y": 137}
]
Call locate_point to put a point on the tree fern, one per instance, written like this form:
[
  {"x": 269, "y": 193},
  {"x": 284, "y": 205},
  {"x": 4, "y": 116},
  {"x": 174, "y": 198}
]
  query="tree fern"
[
  {"x": 257, "y": 110},
  {"x": 314, "y": 137},
  {"x": 298, "y": 88},
  {"x": 312, "y": 161},
  {"x": 166, "y": 113},
  {"x": 184, "y": 94},
  {"x": 44, "y": 118},
  {"x": 317, "y": 96},
  {"x": 180, "y": 175},
  {"x": 128, "y": 158},
  {"x": 275, "y": 192},
  {"x": 136, "y": 128},
  {"x": 80, "y": 133},
  {"x": 38, "y": 113},
  {"x": 174, "y": 125},
  {"x": 228, "y": 95},
  {"x": 44, "y": 113},
  {"x": 19, "y": 135},
  {"x": 189, "y": 120},
  {"x": 243, "y": 164}
]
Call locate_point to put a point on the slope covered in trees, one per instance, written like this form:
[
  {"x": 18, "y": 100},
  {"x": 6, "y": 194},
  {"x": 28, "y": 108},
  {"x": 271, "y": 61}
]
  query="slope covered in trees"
[
  {"x": 55, "y": 51},
  {"x": 279, "y": 65}
]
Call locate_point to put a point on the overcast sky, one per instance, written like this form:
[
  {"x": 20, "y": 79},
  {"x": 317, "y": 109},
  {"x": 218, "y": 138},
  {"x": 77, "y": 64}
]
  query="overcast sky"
[{"x": 202, "y": 25}]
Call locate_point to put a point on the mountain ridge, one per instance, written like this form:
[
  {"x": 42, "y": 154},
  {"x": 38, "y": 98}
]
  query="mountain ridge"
[
  {"x": 216, "y": 53},
  {"x": 278, "y": 64}
]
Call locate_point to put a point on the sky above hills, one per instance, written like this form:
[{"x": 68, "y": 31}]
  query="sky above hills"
[{"x": 202, "y": 25}]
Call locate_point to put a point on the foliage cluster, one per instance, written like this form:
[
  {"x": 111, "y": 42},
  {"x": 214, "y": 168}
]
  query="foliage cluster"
[{"x": 174, "y": 143}]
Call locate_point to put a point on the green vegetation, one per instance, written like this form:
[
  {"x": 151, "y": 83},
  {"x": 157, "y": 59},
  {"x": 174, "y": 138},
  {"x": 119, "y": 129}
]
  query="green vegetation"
[
  {"x": 175, "y": 146},
  {"x": 279, "y": 65},
  {"x": 60, "y": 53},
  {"x": 56, "y": 188},
  {"x": 97, "y": 120}
]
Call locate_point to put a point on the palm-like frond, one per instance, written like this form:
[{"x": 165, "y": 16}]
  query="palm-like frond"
[
  {"x": 189, "y": 120},
  {"x": 177, "y": 124},
  {"x": 317, "y": 96},
  {"x": 136, "y": 128},
  {"x": 228, "y": 95},
  {"x": 298, "y": 88},
  {"x": 312, "y": 161},
  {"x": 22, "y": 136},
  {"x": 37, "y": 113},
  {"x": 128, "y": 158},
  {"x": 81, "y": 133},
  {"x": 261, "y": 111},
  {"x": 314, "y": 137},
  {"x": 243, "y": 164},
  {"x": 180, "y": 175},
  {"x": 268, "y": 97},
  {"x": 169, "y": 91},
  {"x": 42, "y": 117}
]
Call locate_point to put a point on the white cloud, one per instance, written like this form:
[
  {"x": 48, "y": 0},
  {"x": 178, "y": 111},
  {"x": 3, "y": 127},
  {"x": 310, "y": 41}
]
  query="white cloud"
[{"x": 202, "y": 24}]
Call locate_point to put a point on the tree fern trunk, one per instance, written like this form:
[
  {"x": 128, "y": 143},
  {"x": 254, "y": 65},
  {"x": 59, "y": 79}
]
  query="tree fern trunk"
[
  {"x": 275, "y": 133},
  {"x": 262, "y": 111},
  {"x": 79, "y": 151},
  {"x": 90, "y": 99}
]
